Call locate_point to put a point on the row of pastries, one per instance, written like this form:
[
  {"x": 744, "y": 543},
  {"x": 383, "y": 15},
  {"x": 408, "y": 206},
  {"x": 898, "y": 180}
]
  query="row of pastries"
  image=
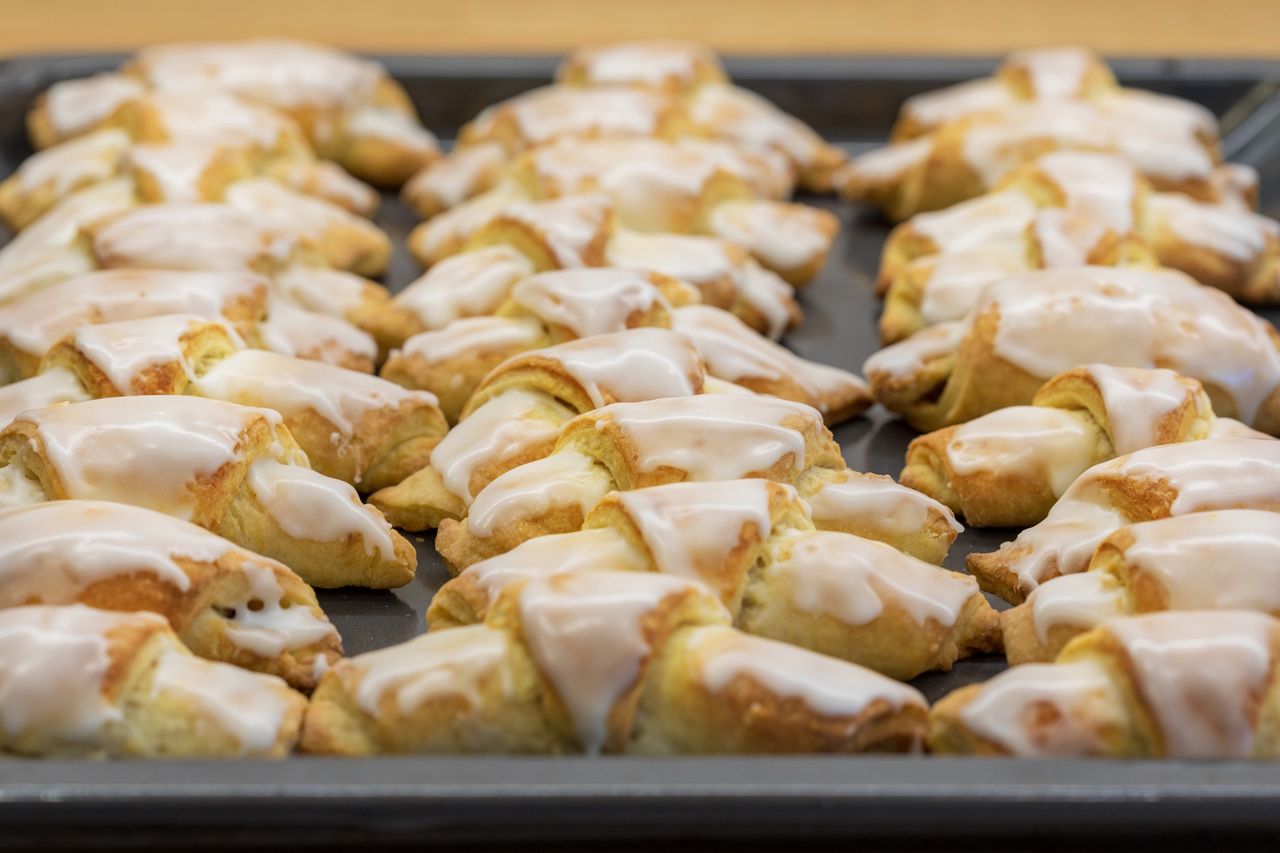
[{"x": 656, "y": 543}]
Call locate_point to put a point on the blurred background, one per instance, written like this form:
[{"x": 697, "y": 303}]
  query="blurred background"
[{"x": 1118, "y": 27}]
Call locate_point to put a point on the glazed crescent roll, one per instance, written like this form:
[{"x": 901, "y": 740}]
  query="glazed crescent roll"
[
  {"x": 1008, "y": 467},
  {"x": 1030, "y": 327},
  {"x": 1192, "y": 684},
  {"x": 752, "y": 543},
  {"x": 350, "y": 110},
  {"x": 223, "y": 602},
  {"x": 1224, "y": 560},
  {"x": 1171, "y": 480},
  {"x": 233, "y": 470},
  {"x": 29, "y": 327},
  {"x": 516, "y": 414},
  {"x": 611, "y": 662},
  {"x": 83, "y": 682},
  {"x": 668, "y": 65},
  {"x": 627, "y": 446}
]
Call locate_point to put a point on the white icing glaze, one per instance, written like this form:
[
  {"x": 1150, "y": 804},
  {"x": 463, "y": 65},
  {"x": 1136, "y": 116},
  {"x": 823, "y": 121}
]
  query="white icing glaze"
[
  {"x": 178, "y": 171},
  {"x": 325, "y": 291},
  {"x": 588, "y": 301},
  {"x": 452, "y": 180},
  {"x": 308, "y": 505},
  {"x": 1082, "y": 601},
  {"x": 552, "y": 112},
  {"x": 53, "y": 665},
  {"x": 391, "y": 126},
  {"x": 635, "y": 365},
  {"x": 77, "y": 105},
  {"x": 1137, "y": 401},
  {"x": 465, "y": 285},
  {"x": 1212, "y": 560},
  {"x": 949, "y": 103},
  {"x": 329, "y": 181},
  {"x": 85, "y": 160},
  {"x": 16, "y": 488},
  {"x": 1220, "y": 473},
  {"x": 438, "y": 665},
  {"x": 1067, "y": 238},
  {"x": 56, "y": 385},
  {"x": 187, "y": 236},
  {"x": 266, "y": 624},
  {"x": 565, "y": 478},
  {"x": 1102, "y": 187},
  {"x": 1232, "y": 428},
  {"x": 957, "y": 279},
  {"x": 908, "y": 357},
  {"x": 648, "y": 62},
  {"x": 282, "y": 72},
  {"x": 594, "y": 549},
  {"x": 771, "y": 297},
  {"x": 146, "y": 451},
  {"x": 60, "y": 228},
  {"x": 272, "y": 205},
  {"x": 474, "y": 336},
  {"x": 853, "y": 579},
  {"x": 566, "y": 226},
  {"x": 701, "y": 261},
  {"x": 584, "y": 631},
  {"x": 501, "y": 428},
  {"x": 781, "y": 236},
  {"x": 219, "y": 118},
  {"x": 715, "y": 436},
  {"x": 447, "y": 232},
  {"x": 737, "y": 115},
  {"x": 691, "y": 529},
  {"x": 1053, "y": 72},
  {"x": 291, "y": 330},
  {"x": 292, "y": 386},
  {"x": 894, "y": 507},
  {"x": 1240, "y": 236},
  {"x": 36, "y": 323},
  {"x": 1202, "y": 676},
  {"x": 828, "y": 686},
  {"x": 1053, "y": 320},
  {"x": 249, "y": 706},
  {"x": 1008, "y": 710},
  {"x": 892, "y": 162},
  {"x": 734, "y": 352},
  {"x": 1039, "y": 443},
  {"x": 125, "y": 350},
  {"x": 995, "y": 218}
]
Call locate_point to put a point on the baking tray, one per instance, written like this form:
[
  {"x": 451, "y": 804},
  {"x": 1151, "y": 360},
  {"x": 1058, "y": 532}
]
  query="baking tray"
[{"x": 316, "y": 801}]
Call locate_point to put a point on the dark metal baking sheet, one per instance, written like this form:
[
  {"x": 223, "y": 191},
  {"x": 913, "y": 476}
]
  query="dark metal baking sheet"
[{"x": 851, "y": 101}]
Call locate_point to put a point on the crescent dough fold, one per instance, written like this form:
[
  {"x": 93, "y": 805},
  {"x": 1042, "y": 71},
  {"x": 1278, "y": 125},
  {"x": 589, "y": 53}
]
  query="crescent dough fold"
[
  {"x": 83, "y": 682},
  {"x": 234, "y": 470},
  {"x": 1029, "y": 327},
  {"x": 601, "y": 661},
  {"x": 1192, "y": 684},
  {"x": 752, "y": 543}
]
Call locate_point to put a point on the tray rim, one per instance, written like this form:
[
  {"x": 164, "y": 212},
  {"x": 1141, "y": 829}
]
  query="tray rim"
[{"x": 485, "y": 796}]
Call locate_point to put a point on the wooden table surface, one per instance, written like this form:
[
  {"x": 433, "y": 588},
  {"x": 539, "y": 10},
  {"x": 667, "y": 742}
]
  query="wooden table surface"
[{"x": 1128, "y": 27}]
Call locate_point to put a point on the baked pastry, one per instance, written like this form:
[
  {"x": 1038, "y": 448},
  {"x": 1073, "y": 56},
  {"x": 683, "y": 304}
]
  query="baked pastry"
[
  {"x": 1202, "y": 561},
  {"x": 667, "y": 65},
  {"x": 1066, "y": 209},
  {"x": 354, "y": 427},
  {"x": 606, "y": 662},
  {"x": 294, "y": 331},
  {"x": 55, "y": 385},
  {"x": 516, "y": 412},
  {"x": 1008, "y": 467},
  {"x": 628, "y": 446},
  {"x": 1030, "y": 327},
  {"x": 1159, "y": 482},
  {"x": 1195, "y": 684},
  {"x": 956, "y": 144},
  {"x": 83, "y": 682},
  {"x": 461, "y": 174},
  {"x": 231, "y": 469},
  {"x": 752, "y": 543},
  {"x": 223, "y": 602},
  {"x": 578, "y": 231},
  {"x": 350, "y": 110},
  {"x": 30, "y": 326},
  {"x": 179, "y": 146}
]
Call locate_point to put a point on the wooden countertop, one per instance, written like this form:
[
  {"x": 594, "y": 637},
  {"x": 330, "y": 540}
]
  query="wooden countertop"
[{"x": 1118, "y": 27}]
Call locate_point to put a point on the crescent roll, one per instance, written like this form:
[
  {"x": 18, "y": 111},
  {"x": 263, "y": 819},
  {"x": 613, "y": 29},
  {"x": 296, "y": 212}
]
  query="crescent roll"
[
  {"x": 611, "y": 662},
  {"x": 1030, "y": 327},
  {"x": 83, "y": 682},
  {"x": 752, "y": 543},
  {"x": 1192, "y": 684},
  {"x": 667, "y": 65},
  {"x": 1170, "y": 480},
  {"x": 223, "y": 602},
  {"x": 1204, "y": 561},
  {"x": 1008, "y": 467},
  {"x": 231, "y": 469},
  {"x": 350, "y": 110}
]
